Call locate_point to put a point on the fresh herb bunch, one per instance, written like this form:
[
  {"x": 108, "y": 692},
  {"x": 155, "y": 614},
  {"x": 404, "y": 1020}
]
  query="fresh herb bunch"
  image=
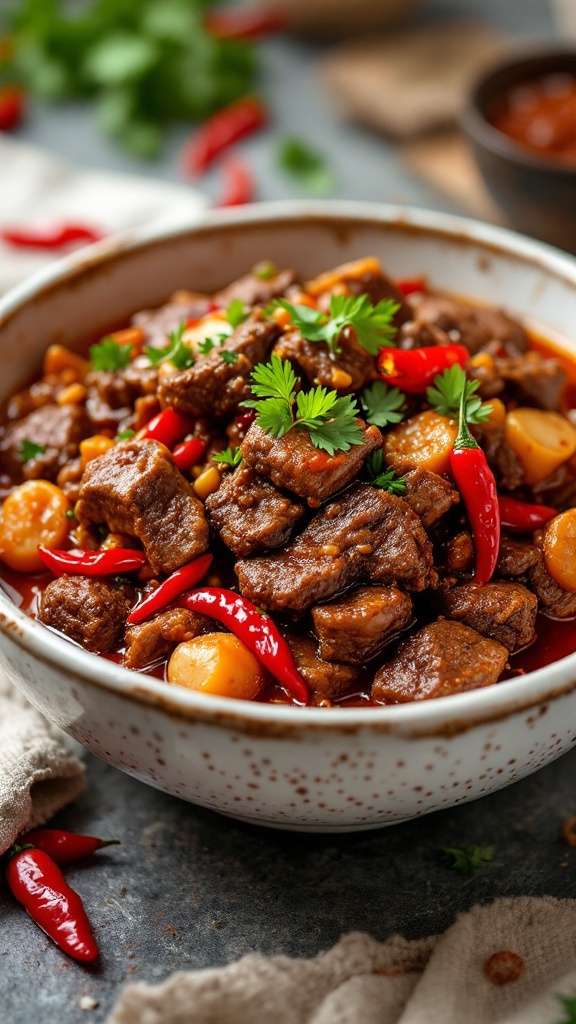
[
  {"x": 466, "y": 860},
  {"x": 110, "y": 355},
  {"x": 329, "y": 420},
  {"x": 230, "y": 457},
  {"x": 383, "y": 405},
  {"x": 29, "y": 450},
  {"x": 446, "y": 392},
  {"x": 384, "y": 478},
  {"x": 145, "y": 64},
  {"x": 177, "y": 352},
  {"x": 306, "y": 165},
  {"x": 372, "y": 325}
]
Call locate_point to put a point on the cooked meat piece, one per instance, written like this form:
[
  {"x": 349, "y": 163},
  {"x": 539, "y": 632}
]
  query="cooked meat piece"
[
  {"x": 136, "y": 488},
  {"x": 69, "y": 478},
  {"x": 533, "y": 380},
  {"x": 430, "y": 496},
  {"x": 256, "y": 291},
  {"x": 88, "y": 611},
  {"x": 441, "y": 659},
  {"x": 516, "y": 558},
  {"x": 459, "y": 552},
  {"x": 366, "y": 533},
  {"x": 504, "y": 611},
  {"x": 356, "y": 628},
  {"x": 378, "y": 287},
  {"x": 473, "y": 326},
  {"x": 291, "y": 461},
  {"x": 505, "y": 464},
  {"x": 553, "y": 600},
  {"x": 112, "y": 393},
  {"x": 158, "y": 323},
  {"x": 250, "y": 514},
  {"x": 420, "y": 333},
  {"x": 57, "y": 428},
  {"x": 327, "y": 680},
  {"x": 42, "y": 392},
  {"x": 150, "y": 641},
  {"x": 215, "y": 387},
  {"x": 315, "y": 362}
]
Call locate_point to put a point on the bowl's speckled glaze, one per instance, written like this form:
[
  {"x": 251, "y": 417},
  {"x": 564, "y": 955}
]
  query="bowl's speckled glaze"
[{"x": 313, "y": 769}]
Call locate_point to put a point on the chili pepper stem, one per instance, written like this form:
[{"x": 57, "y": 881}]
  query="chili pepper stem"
[{"x": 464, "y": 438}]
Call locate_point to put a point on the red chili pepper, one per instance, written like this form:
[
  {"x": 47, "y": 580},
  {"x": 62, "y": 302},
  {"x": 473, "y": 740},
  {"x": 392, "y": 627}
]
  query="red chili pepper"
[
  {"x": 55, "y": 236},
  {"x": 245, "y": 23},
  {"x": 62, "y": 846},
  {"x": 520, "y": 516},
  {"x": 176, "y": 584},
  {"x": 11, "y": 107},
  {"x": 188, "y": 453},
  {"x": 255, "y": 630},
  {"x": 411, "y": 285},
  {"x": 239, "y": 184},
  {"x": 168, "y": 427},
  {"x": 92, "y": 563},
  {"x": 39, "y": 885},
  {"x": 413, "y": 370},
  {"x": 220, "y": 131},
  {"x": 476, "y": 483}
]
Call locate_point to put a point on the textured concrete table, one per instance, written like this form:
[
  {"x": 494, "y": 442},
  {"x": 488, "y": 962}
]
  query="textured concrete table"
[{"x": 189, "y": 889}]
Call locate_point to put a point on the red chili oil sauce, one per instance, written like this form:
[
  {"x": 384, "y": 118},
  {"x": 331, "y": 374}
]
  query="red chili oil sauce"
[{"x": 540, "y": 115}]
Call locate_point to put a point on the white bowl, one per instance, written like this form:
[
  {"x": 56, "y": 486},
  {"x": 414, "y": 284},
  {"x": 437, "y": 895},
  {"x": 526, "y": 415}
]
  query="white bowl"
[{"x": 315, "y": 769}]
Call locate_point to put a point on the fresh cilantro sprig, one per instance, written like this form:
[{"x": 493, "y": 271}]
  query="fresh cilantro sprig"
[
  {"x": 384, "y": 478},
  {"x": 236, "y": 314},
  {"x": 329, "y": 420},
  {"x": 29, "y": 450},
  {"x": 383, "y": 405},
  {"x": 110, "y": 355},
  {"x": 177, "y": 352},
  {"x": 229, "y": 357},
  {"x": 445, "y": 394},
  {"x": 230, "y": 457},
  {"x": 466, "y": 860},
  {"x": 372, "y": 325},
  {"x": 306, "y": 165}
]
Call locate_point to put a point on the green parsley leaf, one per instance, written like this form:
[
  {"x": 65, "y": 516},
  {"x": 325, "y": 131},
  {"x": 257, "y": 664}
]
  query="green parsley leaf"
[
  {"x": 466, "y": 860},
  {"x": 29, "y": 450},
  {"x": 306, "y": 165},
  {"x": 568, "y": 1004},
  {"x": 229, "y": 357},
  {"x": 236, "y": 314},
  {"x": 206, "y": 346},
  {"x": 125, "y": 435},
  {"x": 275, "y": 379},
  {"x": 445, "y": 393},
  {"x": 265, "y": 270},
  {"x": 371, "y": 324},
  {"x": 384, "y": 478},
  {"x": 383, "y": 404},
  {"x": 177, "y": 353},
  {"x": 314, "y": 406},
  {"x": 109, "y": 355},
  {"x": 229, "y": 457},
  {"x": 340, "y": 431}
]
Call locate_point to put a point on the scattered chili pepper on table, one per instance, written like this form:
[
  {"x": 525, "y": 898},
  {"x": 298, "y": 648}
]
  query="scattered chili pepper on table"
[
  {"x": 62, "y": 846},
  {"x": 176, "y": 585},
  {"x": 11, "y": 107},
  {"x": 188, "y": 453},
  {"x": 476, "y": 483},
  {"x": 92, "y": 563},
  {"x": 522, "y": 516},
  {"x": 413, "y": 370},
  {"x": 238, "y": 185},
  {"x": 167, "y": 427},
  {"x": 256, "y": 631},
  {"x": 220, "y": 131},
  {"x": 245, "y": 23},
  {"x": 38, "y": 884},
  {"x": 54, "y": 236}
]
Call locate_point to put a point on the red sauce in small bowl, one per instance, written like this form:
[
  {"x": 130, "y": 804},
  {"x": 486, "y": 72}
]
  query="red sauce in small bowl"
[{"x": 540, "y": 115}]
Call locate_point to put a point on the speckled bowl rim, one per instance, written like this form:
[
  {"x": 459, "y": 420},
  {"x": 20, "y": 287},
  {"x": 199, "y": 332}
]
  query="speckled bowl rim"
[{"x": 445, "y": 715}]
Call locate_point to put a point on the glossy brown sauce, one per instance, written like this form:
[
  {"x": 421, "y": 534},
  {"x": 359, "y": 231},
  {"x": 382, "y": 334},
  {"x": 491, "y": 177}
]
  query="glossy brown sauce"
[{"x": 540, "y": 115}]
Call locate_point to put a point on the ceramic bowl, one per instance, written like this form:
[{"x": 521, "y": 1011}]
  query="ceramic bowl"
[
  {"x": 315, "y": 769},
  {"x": 535, "y": 193}
]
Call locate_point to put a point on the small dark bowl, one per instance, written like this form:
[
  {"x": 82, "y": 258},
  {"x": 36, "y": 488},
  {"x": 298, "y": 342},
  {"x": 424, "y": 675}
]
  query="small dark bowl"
[{"x": 537, "y": 194}]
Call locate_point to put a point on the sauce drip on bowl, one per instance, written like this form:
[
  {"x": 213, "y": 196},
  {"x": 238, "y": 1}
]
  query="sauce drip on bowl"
[{"x": 540, "y": 115}]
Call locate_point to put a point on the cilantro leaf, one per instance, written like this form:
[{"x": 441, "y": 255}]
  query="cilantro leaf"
[
  {"x": 229, "y": 357},
  {"x": 445, "y": 393},
  {"x": 466, "y": 860},
  {"x": 229, "y": 457},
  {"x": 109, "y": 355},
  {"x": 177, "y": 352},
  {"x": 29, "y": 450},
  {"x": 274, "y": 416},
  {"x": 371, "y": 324},
  {"x": 306, "y": 165},
  {"x": 125, "y": 435},
  {"x": 236, "y": 314},
  {"x": 341, "y": 430},
  {"x": 383, "y": 404},
  {"x": 206, "y": 346},
  {"x": 265, "y": 270},
  {"x": 386, "y": 479},
  {"x": 275, "y": 379},
  {"x": 313, "y": 406}
]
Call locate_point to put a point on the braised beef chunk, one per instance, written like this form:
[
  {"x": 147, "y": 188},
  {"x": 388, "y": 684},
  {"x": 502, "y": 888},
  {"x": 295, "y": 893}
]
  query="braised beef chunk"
[
  {"x": 57, "y": 429},
  {"x": 327, "y": 680},
  {"x": 250, "y": 514},
  {"x": 356, "y": 628},
  {"x": 136, "y": 488},
  {"x": 441, "y": 659},
  {"x": 504, "y": 463},
  {"x": 430, "y": 496},
  {"x": 473, "y": 326},
  {"x": 553, "y": 600},
  {"x": 293, "y": 462},
  {"x": 351, "y": 370},
  {"x": 459, "y": 552},
  {"x": 151, "y": 641},
  {"x": 378, "y": 286},
  {"x": 112, "y": 394},
  {"x": 533, "y": 380},
  {"x": 158, "y": 323},
  {"x": 215, "y": 386},
  {"x": 366, "y": 534},
  {"x": 516, "y": 558},
  {"x": 89, "y": 611},
  {"x": 360, "y": 277},
  {"x": 504, "y": 611},
  {"x": 254, "y": 290}
]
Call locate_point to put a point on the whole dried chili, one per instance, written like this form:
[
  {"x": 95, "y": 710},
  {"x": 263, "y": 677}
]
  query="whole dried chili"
[
  {"x": 413, "y": 370},
  {"x": 62, "y": 846},
  {"x": 11, "y": 107},
  {"x": 477, "y": 485},
  {"x": 54, "y": 236},
  {"x": 523, "y": 517},
  {"x": 176, "y": 584},
  {"x": 188, "y": 453},
  {"x": 168, "y": 427},
  {"x": 255, "y": 630},
  {"x": 222, "y": 130},
  {"x": 39, "y": 885},
  {"x": 92, "y": 563},
  {"x": 245, "y": 23},
  {"x": 239, "y": 184}
]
